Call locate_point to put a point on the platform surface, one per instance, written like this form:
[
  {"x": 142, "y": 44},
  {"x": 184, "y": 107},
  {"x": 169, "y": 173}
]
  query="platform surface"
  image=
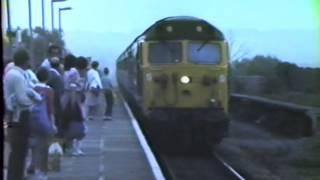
[{"x": 112, "y": 152}]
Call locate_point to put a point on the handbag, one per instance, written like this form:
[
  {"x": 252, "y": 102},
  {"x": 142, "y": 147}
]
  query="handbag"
[{"x": 54, "y": 157}]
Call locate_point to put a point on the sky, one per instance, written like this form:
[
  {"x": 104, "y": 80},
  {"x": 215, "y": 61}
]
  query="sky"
[{"x": 103, "y": 28}]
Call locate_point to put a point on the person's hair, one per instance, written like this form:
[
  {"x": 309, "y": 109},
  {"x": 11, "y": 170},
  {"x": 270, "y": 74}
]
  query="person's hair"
[
  {"x": 69, "y": 62},
  {"x": 52, "y": 47},
  {"x": 94, "y": 64},
  {"x": 29, "y": 66},
  {"x": 21, "y": 57},
  {"x": 106, "y": 71},
  {"x": 43, "y": 74},
  {"x": 82, "y": 63}
]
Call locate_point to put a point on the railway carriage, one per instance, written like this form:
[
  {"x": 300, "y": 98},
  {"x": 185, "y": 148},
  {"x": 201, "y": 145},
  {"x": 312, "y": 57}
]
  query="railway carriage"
[{"x": 175, "y": 74}]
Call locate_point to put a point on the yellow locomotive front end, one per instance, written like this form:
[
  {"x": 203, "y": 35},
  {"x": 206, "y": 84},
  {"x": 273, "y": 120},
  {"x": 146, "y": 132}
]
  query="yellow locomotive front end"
[
  {"x": 186, "y": 74},
  {"x": 185, "y": 93}
]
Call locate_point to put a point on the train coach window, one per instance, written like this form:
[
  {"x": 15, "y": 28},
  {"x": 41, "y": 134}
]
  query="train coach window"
[
  {"x": 165, "y": 53},
  {"x": 204, "y": 54}
]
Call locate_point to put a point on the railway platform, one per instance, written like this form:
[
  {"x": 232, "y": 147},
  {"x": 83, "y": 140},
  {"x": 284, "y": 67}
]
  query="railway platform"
[{"x": 114, "y": 150}]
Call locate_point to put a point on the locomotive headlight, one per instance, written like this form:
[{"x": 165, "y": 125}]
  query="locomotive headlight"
[
  {"x": 185, "y": 79},
  {"x": 222, "y": 79},
  {"x": 199, "y": 28},
  {"x": 169, "y": 28}
]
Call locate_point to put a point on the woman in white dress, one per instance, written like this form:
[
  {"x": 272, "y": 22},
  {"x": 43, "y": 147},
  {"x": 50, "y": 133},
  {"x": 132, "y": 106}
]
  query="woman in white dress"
[{"x": 93, "y": 88}]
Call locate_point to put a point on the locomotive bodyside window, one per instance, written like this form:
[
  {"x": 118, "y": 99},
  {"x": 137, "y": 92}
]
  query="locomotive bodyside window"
[
  {"x": 199, "y": 53},
  {"x": 165, "y": 53}
]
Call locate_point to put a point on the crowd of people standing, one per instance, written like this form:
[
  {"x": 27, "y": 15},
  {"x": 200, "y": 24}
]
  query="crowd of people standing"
[{"x": 50, "y": 104}]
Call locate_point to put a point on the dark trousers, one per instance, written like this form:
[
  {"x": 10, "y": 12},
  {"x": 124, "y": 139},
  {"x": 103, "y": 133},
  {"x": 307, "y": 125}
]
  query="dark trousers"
[
  {"x": 109, "y": 101},
  {"x": 18, "y": 138},
  {"x": 40, "y": 154},
  {"x": 58, "y": 117}
]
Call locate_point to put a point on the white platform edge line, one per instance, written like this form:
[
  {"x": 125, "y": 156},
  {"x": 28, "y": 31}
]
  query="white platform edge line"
[
  {"x": 151, "y": 159},
  {"x": 230, "y": 168}
]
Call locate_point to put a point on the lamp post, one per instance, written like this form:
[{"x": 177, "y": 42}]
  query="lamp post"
[
  {"x": 52, "y": 12},
  {"x": 8, "y": 15},
  {"x": 9, "y": 33},
  {"x": 30, "y": 17},
  {"x": 42, "y": 11},
  {"x": 60, "y": 10}
]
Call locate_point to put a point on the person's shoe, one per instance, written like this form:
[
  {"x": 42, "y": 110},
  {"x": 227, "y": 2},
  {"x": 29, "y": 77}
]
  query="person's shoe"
[
  {"x": 80, "y": 152},
  {"x": 30, "y": 171},
  {"x": 90, "y": 118},
  {"x": 75, "y": 153},
  {"x": 107, "y": 118},
  {"x": 41, "y": 176}
]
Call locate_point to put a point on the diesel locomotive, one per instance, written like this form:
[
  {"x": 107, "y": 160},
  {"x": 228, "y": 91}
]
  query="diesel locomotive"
[{"x": 175, "y": 74}]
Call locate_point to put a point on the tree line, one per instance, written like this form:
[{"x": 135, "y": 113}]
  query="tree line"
[
  {"x": 37, "y": 43},
  {"x": 278, "y": 76}
]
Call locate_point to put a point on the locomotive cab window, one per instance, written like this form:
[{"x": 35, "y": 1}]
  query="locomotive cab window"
[
  {"x": 204, "y": 53},
  {"x": 165, "y": 53}
]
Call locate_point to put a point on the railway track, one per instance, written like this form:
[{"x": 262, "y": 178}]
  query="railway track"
[
  {"x": 184, "y": 166},
  {"x": 194, "y": 167}
]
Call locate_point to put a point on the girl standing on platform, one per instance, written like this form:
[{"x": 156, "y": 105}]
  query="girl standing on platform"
[
  {"x": 73, "y": 118},
  {"x": 42, "y": 125}
]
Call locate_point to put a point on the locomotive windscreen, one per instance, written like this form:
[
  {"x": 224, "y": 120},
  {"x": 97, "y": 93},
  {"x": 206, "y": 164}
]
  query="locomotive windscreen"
[
  {"x": 165, "y": 53},
  {"x": 204, "y": 53}
]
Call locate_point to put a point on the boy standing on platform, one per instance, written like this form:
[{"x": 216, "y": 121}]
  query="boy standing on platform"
[{"x": 107, "y": 89}]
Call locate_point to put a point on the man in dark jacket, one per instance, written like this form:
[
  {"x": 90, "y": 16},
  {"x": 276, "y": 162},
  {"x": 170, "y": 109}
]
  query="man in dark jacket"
[{"x": 57, "y": 84}]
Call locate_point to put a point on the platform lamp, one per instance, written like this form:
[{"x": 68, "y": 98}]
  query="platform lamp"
[
  {"x": 60, "y": 10},
  {"x": 52, "y": 11}
]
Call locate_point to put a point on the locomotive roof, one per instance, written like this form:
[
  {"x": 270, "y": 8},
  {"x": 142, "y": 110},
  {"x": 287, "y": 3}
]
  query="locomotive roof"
[{"x": 183, "y": 27}]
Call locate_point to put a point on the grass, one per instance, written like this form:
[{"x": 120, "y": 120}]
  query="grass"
[
  {"x": 263, "y": 155},
  {"x": 266, "y": 156}
]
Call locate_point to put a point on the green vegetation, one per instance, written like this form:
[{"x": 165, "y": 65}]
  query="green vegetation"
[
  {"x": 277, "y": 80},
  {"x": 272, "y": 78},
  {"x": 258, "y": 153},
  {"x": 37, "y": 44}
]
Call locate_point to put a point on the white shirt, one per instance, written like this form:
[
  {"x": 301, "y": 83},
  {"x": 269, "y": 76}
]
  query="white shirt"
[
  {"x": 46, "y": 63},
  {"x": 31, "y": 78},
  {"x": 93, "y": 79},
  {"x": 17, "y": 92},
  {"x": 8, "y": 67}
]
